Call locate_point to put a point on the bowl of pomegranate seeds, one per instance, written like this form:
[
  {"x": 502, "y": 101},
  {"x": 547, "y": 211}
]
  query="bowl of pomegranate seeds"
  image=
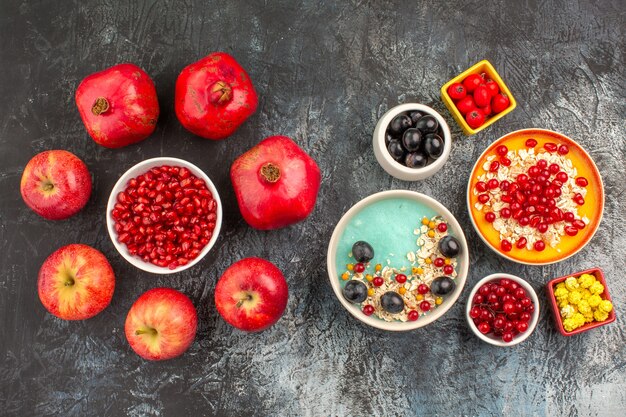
[
  {"x": 502, "y": 309},
  {"x": 535, "y": 197},
  {"x": 477, "y": 98},
  {"x": 164, "y": 215}
]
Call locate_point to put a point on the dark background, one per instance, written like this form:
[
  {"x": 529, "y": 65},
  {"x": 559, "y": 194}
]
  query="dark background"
[{"x": 325, "y": 72}]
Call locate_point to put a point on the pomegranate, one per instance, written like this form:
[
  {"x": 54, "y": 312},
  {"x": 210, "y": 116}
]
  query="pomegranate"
[
  {"x": 214, "y": 96},
  {"x": 276, "y": 183},
  {"x": 118, "y": 106}
]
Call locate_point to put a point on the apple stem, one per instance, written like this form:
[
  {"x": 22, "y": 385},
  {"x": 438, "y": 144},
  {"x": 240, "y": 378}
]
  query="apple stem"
[
  {"x": 101, "y": 105},
  {"x": 243, "y": 300},
  {"x": 270, "y": 172},
  {"x": 221, "y": 93},
  {"x": 151, "y": 331}
]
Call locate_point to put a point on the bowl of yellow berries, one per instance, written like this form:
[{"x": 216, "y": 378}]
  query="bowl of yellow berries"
[{"x": 580, "y": 302}]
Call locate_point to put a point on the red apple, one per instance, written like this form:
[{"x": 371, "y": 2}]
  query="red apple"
[
  {"x": 251, "y": 294},
  {"x": 276, "y": 183},
  {"x": 119, "y": 105},
  {"x": 76, "y": 282},
  {"x": 161, "y": 324},
  {"x": 56, "y": 184},
  {"x": 214, "y": 96}
]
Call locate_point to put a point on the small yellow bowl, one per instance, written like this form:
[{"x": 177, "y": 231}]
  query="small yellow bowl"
[{"x": 486, "y": 67}]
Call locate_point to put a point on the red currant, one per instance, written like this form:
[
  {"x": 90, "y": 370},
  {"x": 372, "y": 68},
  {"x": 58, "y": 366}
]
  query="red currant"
[
  {"x": 478, "y": 298},
  {"x": 359, "y": 268},
  {"x": 378, "y": 281},
  {"x": 507, "y": 337},
  {"x": 422, "y": 289},
  {"x": 401, "y": 278},
  {"x": 525, "y": 316},
  {"x": 448, "y": 269},
  {"x": 522, "y": 326},
  {"x": 368, "y": 309},
  {"x": 474, "y": 312},
  {"x": 413, "y": 315},
  {"x": 442, "y": 227},
  {"x": 438, "y": 262},
  {"x": 424, "y": 305},
  {"x": 484, "y": 327}
]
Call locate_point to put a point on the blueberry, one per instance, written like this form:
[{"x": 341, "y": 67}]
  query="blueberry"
[
  {"x": 416, "y": 160},
  {"x": 395, "y": 149},
  {"x": 415, "y": 116},
  {"x": 411, "y": 139},
  {"x": 399, "y": 124},
  {"x": 449, "y": 246},
  {"x": 433, "y": 145},
  {"x": 427, "y": 124},
  {"x": 442, "y": 285},
  {"x": 392, "y": 302},
  {"x": 362, "y": 251},
  {"x": 355, "y": 291},
  {"x": 388, "y": 138}
]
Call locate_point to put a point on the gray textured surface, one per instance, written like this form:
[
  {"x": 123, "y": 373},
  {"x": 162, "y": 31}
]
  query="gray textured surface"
[{"x": 324, "y": 71}]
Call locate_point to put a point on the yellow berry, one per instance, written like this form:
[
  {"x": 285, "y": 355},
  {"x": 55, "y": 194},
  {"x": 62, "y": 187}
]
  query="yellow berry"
[
  {"x": 414, "y": 269},
  {"x": 369, "y": 277},
  {"x": 438, "y": 300},
  {"x": 420, "y": 271},
  {"x": 428, "y": 261},
  {"x": 431, "y": 233},
  {"x": 350, "y": 267},
  {"x": 371, "y": 292},
  {"x": 425, "y": 221},
  {"x": 402, "y": 290},
  {"x": 378, "y": 267},
  {"x": 447, "y": 261},
  {"x": 419, "y": 297},
  {"x": 345, "y": 276},
  {"x": 431, "y": 225},
  {"x": 605, "y": 306}
]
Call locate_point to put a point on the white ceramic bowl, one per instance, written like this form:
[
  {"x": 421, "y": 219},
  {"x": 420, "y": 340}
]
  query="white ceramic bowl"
[
  {"x": 433, "y": 315},
  {"x": 494, "y": 340},
  {"x": 395, "y": 168},
  {"x": 142, "y": 168}
]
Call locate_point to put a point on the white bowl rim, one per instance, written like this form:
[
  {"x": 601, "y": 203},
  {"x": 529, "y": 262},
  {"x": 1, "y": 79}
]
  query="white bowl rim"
[
  {"x": 502, "y": 254},
  {"x": 139, "y": 169},
  {"x": 395, "y": 168},
  {"x": 533, "y": 321},
  {"x": 397, "y": 325}
]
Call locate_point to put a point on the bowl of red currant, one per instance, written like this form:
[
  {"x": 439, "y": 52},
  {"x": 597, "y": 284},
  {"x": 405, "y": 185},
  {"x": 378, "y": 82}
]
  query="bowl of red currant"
[{"x": 502, "y": 309}]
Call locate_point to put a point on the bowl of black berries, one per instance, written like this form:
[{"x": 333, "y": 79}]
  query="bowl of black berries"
[{"x": 412, "y": 141}]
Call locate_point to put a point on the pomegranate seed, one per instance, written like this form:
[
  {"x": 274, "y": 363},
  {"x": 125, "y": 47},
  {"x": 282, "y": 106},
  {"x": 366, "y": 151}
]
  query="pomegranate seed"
[
  {"x": 550, "y": 147},
  {"x": 523, "y": 221},
  {"x": 542, "y": 227},
  {"x": 542, "y": 163},
  {"x": 505, "y": 161},
  {"x": 483, "y": 198},
  {"x": 502, "y": 150},
  {"x": 505, "y": 245},
  {"x": 504, "y": 185},
  {"x": 571, "y": 231},
  {"x": 539, "y": 245},
  {"x": 505, "y": 213},
  {"x": 582, "y": 181},
  {"x": 494, "y": 166},
  {"x": 490, "y": 217},
  {"x": 521, "y": 243},
  {"x": 579, "y": 199},
  {"x": 522, "y": 178},
  {"x": 568, "y": 216},
  {"x": 563, "y": 150},
  {"x": 562, "y": 176},
  {"x": 579, "y": 224},
  {"x": 492, "y": 184},
  {"x": 534, "y": 171},
  {"x": 531, "y": 143},
  {"x": 505, "y": 197}
]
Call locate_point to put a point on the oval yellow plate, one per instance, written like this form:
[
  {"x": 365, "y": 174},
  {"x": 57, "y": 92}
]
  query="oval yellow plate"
[{"x": 592, "y": 208}]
